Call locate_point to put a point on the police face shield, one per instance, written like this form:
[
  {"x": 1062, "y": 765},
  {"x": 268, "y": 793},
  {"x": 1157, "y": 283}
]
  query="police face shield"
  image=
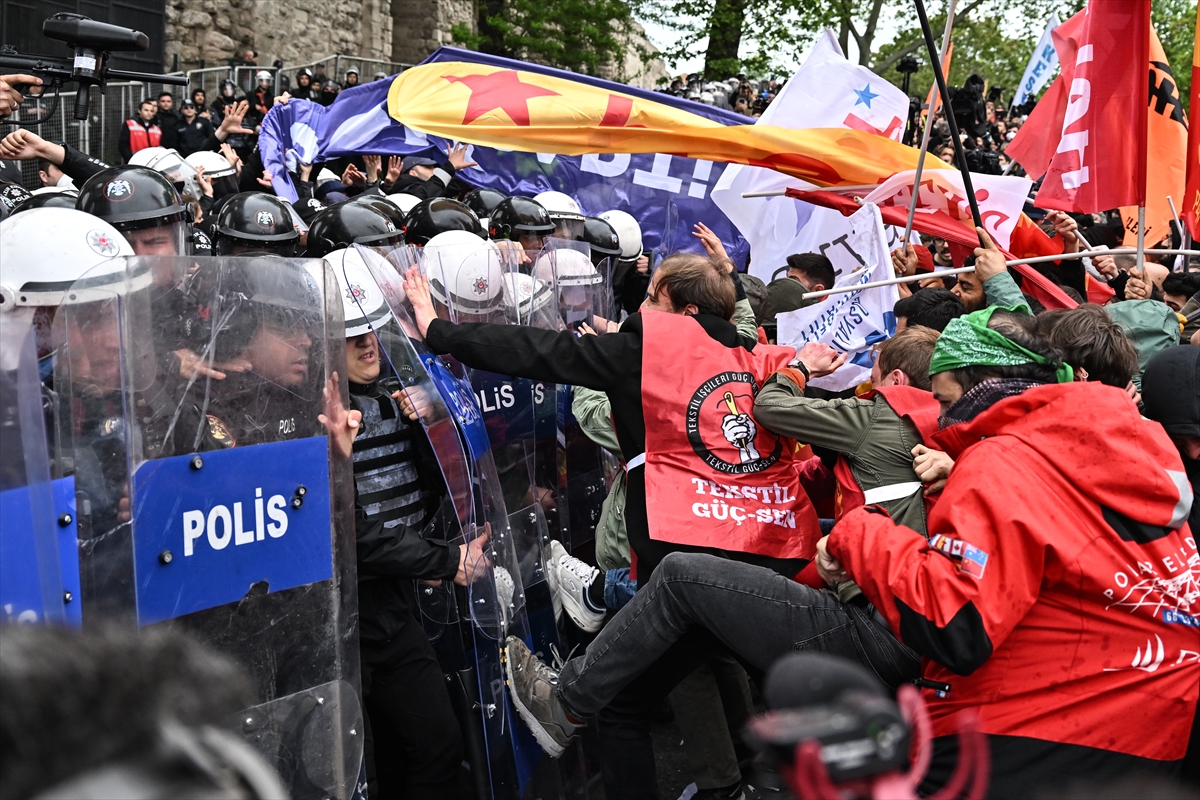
[
  {"x": 569, "y": 227},
  {"x": 209, "y": 483},
  {"x": 178, "y": 172},
  {"x": 466, "y": 278},
  {"x": 31, "y": 586},
  {"x": 582, "y": 292},
  {"x": 164, "y": 236}
]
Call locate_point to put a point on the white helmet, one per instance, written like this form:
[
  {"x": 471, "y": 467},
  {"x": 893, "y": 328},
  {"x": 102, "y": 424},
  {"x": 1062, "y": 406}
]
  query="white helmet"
[
  {"x": 363, "y": 304},
  {"x": 215, "y": 165},
  {"x": 263, "y": 75},
  {"x": 525, "y": 295},
  {"x": 629, "y": 233},
  {"x": 404, "y": 201},
  {"x": 465, "y": 272},
  {"x": 171, "y": 164},
  {"x": 558, "y": 202},
  {"x": 48, "y": 249},
  {"x": 568, "y": 267}
]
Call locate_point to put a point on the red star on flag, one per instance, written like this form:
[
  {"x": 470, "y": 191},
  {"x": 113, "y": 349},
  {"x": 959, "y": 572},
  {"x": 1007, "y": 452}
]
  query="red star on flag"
[{"x": 503, "y": 90}]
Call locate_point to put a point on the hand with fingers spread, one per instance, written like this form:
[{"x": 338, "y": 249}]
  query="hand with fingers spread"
[
  {"x": 206, "y": 187},
  {"x": 10, "y": 91},
  {"x": 932, "y": 468},
  {"x": 394, "y": 165},
  {"x": 820, "y": 359},
  {"x": 341, "y": 423},
  {"x": 371, "y": 163},
  {"x": 472, "y": 558},
  {"x": 351, "y": 176},
  {"x": 416, "y": 288},
  {"x": 232, "y": 157},
  {"x": 989, "y": 259},
  {"x": 457, "y": 156},
  {"x": 232, "y": 123}
]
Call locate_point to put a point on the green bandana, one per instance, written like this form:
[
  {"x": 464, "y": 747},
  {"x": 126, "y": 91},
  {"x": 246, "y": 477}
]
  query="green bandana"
[{"x": 969, "y": 342}]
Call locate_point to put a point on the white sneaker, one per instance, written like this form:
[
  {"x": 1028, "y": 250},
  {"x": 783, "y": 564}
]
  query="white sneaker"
[
  {"x": 551, "y": 555},
  {"x": 573, "y": 577}
]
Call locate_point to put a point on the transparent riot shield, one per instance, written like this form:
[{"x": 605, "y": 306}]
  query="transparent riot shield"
[
  {"x": 31, "y": 588},
  {"x": 585, "y": 305},
  {"x": 494, "y": 599},
  {"x": 213, "y": 499}
]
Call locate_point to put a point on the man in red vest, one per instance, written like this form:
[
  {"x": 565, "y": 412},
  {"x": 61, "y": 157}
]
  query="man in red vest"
[
  {"x": 140, "y": 132},
  {"x": 681, "y": 383}
]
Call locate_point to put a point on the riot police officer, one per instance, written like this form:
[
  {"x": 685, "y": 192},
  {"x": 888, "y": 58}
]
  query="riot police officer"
[
  {"x": 438, "y": 215},
  {"x": 523, "y": 220},
  {"x": 142, "y": 204},
  {"x": 255, "y": 222},
  {"x": 483, "y": 202},
  {"x": 348, "y": 223}
]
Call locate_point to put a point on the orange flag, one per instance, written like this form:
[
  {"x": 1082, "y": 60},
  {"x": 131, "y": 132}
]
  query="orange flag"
[
  {"x": 529, "y": 112},
  {"x": 1166, "y": 152},
  {"x": 1190, "y": 208}
]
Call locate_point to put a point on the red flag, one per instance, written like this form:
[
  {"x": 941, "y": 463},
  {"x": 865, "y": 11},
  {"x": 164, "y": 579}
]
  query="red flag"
[
  {"x": 943, "y": 226},
  {"x": 1100, "y": 162},
  {"x": 1191, "y": 195}
]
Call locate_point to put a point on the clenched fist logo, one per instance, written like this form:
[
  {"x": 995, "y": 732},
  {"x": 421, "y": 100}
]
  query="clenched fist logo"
[{"x": 740, "y": 430}]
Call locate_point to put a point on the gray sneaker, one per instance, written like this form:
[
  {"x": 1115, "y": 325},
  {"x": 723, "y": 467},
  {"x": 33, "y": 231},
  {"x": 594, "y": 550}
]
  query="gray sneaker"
[{"x": 533, "y": 687}]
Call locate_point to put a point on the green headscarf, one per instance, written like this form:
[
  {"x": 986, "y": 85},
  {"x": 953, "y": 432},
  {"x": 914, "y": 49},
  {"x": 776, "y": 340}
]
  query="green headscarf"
[{"x": 969, "y": 342}]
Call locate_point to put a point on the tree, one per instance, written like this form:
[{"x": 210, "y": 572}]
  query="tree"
[{"x": 579, "y": 35}]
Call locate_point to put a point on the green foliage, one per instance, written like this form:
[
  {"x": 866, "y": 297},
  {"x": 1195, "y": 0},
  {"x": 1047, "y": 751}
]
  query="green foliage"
[
  {"x": 581, "y": 35},
  {"x": 1175, "y": 23}
]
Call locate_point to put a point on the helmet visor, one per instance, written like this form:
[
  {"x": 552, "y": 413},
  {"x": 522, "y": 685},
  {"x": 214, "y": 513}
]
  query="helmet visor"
[{"x": 164, "y": 236}]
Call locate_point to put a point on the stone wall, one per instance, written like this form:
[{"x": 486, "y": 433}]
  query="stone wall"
[{"x": 422, "y": 26}]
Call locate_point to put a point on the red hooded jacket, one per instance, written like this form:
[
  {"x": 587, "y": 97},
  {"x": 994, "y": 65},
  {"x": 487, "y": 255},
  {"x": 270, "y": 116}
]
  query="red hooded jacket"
[{"x": 1059, "y": 590}]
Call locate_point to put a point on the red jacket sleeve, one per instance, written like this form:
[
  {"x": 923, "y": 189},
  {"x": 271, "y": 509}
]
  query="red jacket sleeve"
[{"x": 955, "y": 597}]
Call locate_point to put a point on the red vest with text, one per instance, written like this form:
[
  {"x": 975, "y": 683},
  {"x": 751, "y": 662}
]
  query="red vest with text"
[
  {"x": 140, "y": 138},
  {"x": 910, "y": 403},
  {"x": 714, "y": 477}
]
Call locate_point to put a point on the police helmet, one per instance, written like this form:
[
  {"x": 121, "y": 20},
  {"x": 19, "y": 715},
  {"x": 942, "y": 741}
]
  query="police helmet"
[
  {"x": 518, "y": 216},
  {"x": 437, "y": 215},
  {"x": 61, "y": 199},
  {"x": 348, "y": 223},
  {"x": 484, "y": 201},
  {"x": 465, "y": 272},
  {"x": 381, "y": 204},
  {"x": 11, "y": 196},
  {"x": 48, "y": 249},
  {"x": 363, "y": 305},
  {"x": 215, "y": 165},
  {"x": 263, "y": 75},
  {"x": 629, "y": 233},
  {"x": 525, "y": 295},
  {"x": 255, "y": 221},
  {"x": 601, "y": 238},
  {"x": 179, "y": 171},
  {"x": 233, "y": 298},
  {"x": 558, "y": 202},
  {"x": 403, "y": 201},
  {"x": 131, "y": 197},
  {"x": 567, "y": 268}
]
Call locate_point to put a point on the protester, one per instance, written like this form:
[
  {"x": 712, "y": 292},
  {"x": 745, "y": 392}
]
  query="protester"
[{"x": 806, "y": 272}]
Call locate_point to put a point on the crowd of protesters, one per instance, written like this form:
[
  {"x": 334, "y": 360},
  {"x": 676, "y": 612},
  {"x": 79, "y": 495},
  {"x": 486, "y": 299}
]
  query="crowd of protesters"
[{"x": 1003, "y": 516}]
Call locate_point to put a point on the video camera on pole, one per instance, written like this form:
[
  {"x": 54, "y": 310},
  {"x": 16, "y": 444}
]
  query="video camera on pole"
[
  {"x": 92, "y": 42},
  {"x": 832, "y": 731}
]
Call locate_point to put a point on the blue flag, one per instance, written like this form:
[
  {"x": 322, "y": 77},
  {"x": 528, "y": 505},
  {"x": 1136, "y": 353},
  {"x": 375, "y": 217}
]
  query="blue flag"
[{"x": 666, "y": 194}]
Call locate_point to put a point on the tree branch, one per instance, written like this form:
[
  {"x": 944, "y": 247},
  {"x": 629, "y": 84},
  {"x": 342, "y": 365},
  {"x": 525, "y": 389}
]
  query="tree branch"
[{"x": 919, "y": 42}]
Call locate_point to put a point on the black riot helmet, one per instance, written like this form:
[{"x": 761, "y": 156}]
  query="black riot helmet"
[
  {"x": 349, "y": 223},
  {"x": 601, "y": 238},
  {"x": 255, "y": 221},
  {"x": 519, "y": 216},
  {"x": 383, "y": 206},
  {"x": 64, "y": 199},
  {"x": 484, "y": 201},
  {"x": 233, "y": 298},
  {"x": 437, "y": 215},
  {"x": 131, "y": 197}
]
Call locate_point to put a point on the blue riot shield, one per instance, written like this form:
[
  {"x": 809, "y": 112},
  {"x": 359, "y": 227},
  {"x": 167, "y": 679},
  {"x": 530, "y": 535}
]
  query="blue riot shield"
[
  {"x": 212, "y": 498},
  {"x": 31, "y": 587}
]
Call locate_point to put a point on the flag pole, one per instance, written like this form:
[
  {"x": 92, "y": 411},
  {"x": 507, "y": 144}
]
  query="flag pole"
[
  {"x": 959, "y": 154},
  {"x": 1141, "y": 241},
  {"x": 912, "y": 204}
]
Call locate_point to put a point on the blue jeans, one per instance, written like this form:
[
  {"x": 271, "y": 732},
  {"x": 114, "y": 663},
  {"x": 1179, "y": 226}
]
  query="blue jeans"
[{"x": 619, "y": 589}]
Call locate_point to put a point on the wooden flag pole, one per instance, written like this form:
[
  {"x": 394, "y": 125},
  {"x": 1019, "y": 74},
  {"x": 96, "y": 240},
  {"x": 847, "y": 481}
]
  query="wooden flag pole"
[
  {"x": 959, "y": 153},
  {"x": 912, "y": 204}
]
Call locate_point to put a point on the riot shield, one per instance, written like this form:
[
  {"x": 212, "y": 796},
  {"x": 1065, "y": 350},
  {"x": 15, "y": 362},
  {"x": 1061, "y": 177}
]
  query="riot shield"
[
  {"x": 31, "y": 589},
  {"x": 213, "y": 499},
  {"x": 584, "y": 297}
]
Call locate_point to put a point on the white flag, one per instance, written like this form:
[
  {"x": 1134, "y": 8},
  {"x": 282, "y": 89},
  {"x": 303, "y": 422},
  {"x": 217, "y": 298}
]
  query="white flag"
[
  {"x": 827, "y": 92},
  {"x": 850, "y": 322},
  {"x": 1041, "y": 64}
]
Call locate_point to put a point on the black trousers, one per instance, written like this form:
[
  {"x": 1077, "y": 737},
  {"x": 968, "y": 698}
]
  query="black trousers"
[{"x": 414, "y": 746}]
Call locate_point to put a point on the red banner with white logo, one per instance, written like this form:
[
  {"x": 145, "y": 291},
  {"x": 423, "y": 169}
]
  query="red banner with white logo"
[{"x": 1100, "y": 160}]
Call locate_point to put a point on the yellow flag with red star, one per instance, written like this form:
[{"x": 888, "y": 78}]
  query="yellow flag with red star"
[{"x": 529, "y": 112}]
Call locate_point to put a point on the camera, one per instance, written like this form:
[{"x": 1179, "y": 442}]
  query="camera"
[{"x": 92, "y": 42}]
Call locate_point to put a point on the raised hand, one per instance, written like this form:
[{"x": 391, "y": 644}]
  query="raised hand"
[
  {"x": 416, "y": 288},
  {"x": 457, "y": 156},
  {"x": 712, "y": 245},
  {"x": 341, "y": 423}
]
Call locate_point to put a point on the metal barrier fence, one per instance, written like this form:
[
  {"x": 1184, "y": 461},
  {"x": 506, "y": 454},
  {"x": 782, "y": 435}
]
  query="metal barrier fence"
[{"x": 97, "y": 136}]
